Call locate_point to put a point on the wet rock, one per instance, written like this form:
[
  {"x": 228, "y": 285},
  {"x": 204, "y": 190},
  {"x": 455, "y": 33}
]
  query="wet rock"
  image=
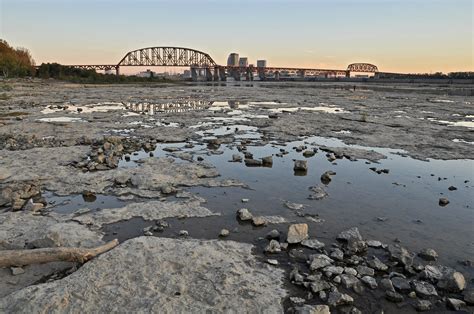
[
  {"x": 258, "y": 221},
  {"x": 273, "y": 234},
  {"x": 423, "y": 305},
  {"x": 313, "y": 244},
  {"x": 336, "y": 298},
  {"x": 423, "y": 288},
  {"x": 319, "y": 261},
  {"x": 428, "y": 254},
  {"x": 370, "y": 281},
  {"x": 386, "y": 284},
  {"x": 452, "y": 188},
  {"x": 365, "y": 271},
  {"x": 400, "y": 255},
  {"x": 236, "y": 158},
  {"x": 375, "y": 263},
  {"x": 337, "y": 254},
  {"x": 401, "y": 284},
  {"x": 318, "y": 193},
  {"x": 350, "y": 234},
  {"x": 309, "y": 153},
  {"x": 297, "y": 233},
  {"x": 300, "y": 165},
  {"x": 224, "y": 233},
  {"x": 393, "y": 296},
  {"x": 218, "y": 270},
  {"x": 268, "y": 160},
  {"x": 455, "y": 304},
  {"x": 273, "y": 247},
  {"x": 452, "y": 282},
  {"x": 331, "y": 157},
  {"x": 253, "y": 162},
  {"x": 244, "y": 214},
  {"x": 374, "y": 243},
  {"x": 443, "y": 201},
  {"x": 326, "y": 177},
  {"x": 294, "y": 206}
]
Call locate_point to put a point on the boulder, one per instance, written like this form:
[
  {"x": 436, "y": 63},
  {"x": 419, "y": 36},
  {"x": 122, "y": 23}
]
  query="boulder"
[
  {"x": 300, "y": 165},
  {"x": 428, "y": 254},
  {"x": 244, "y": 214},
  {"x": 319, "y": 261},
  {"x": 297, "y": 233}
]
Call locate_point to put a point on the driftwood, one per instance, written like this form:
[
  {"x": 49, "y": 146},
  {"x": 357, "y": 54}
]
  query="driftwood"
[{"x": 10, "y": 258}]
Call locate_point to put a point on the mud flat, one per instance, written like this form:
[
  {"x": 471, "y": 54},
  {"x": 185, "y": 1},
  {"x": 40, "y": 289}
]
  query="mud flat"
[{"x": 261, "y": 197}]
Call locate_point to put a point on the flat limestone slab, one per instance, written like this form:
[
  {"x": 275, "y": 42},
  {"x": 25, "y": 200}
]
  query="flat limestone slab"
[{"x": 160, "y": 275}]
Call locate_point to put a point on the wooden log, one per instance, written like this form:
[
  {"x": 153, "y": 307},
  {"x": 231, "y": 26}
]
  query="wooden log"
[{"x": 10, "y": 258}]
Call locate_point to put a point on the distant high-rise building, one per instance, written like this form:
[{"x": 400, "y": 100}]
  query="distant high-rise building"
[
  {"x": 243, "y": 62},
  {"x": 233, "y": 60},
  {"x": 261, "y": 63}
]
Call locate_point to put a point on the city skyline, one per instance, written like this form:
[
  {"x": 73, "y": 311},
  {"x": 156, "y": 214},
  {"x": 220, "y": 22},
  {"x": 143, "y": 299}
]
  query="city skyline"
[{"x": 397, "y": 36}]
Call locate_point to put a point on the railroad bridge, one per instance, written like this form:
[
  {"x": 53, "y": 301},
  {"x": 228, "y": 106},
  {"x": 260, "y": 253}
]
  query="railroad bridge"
[{"x": 201, "y": 64}]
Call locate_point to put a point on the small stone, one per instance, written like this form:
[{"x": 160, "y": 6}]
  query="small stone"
[
  {"x": 17, "y": 271},
  {"x": 253, "y": 162},
  {"x": 350, "y": 271},
  {"x": 331, "y": 270},
  {"x": 313, "y": 309},
  {"x": 268, "y": 160},
  {"x": 296, "y": 300},
  {"x": 272, "y": 262},
  {"x": 349, "y": 281},
  {"x": 183, "y": 233},
  {"x": 374, "y": 243},
  {"x": 297, "y": 233},
  {"x": 428, "y": 254},
  {"x": 386, "y": 284},
  {"x": 452, "y": 188},
  {"x": 336, "y": 298},
  {"x": 337, "y": 279},
  {"x": 224, "y": 233},
  {"x": 370, "y": 281},
  {"x": 423, "y": 305},
  {"x": 318, "y": 193},
  {"x": 244, "y": 214},
  {"x": 401, "y": 284},
  {"x": 469, "y": 295},
  {"x": 455, "y": 304},
  {"x": 377, "y": 264},
  {"x": 313, "y": 244},
  {"x": 309, "y": 153},
  {"x": 273, "y": 247},
  {"x": 412, "y": 295},
  {"x": 443, "y": 201},
  {"x": 148, "y": 233},
  {"x": 245, "y": 200},
  {"x": 319, "y": 285},
  {"x": 258, "y": 221},
  {"x": 236, "y": 158},
  {"x": 365, "y": 271},
  {"x": 326, "y": 177},
  {"x": 274, "y": 234},
  {"x": 424, "y": 288},
  {"x": 319, "y": 261},
  {"x": 393, "y": 296},
  {"x": 452, "y": 282},
  {"x": 300, "y": 165},
  {"x": 351, "y": 234},
  {"x": 337, "y": 254}
]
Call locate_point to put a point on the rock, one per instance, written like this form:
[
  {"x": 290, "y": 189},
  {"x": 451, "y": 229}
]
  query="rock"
[
  {"x": 245, "y": 200},
  {"x": 423, "y": 305},
  {"x": 313, "y": 244},
  {"x": 319, "y": 261},
  {"x": 377, "y": 264},
  {"x": 350, "y": 271},
  {"x": 252, "y": 162},
  {"x": 296, "y": 276},
  {"x": 393, "y": 296},
  {"x": 423, "y": 288},
  {"x": 297, "y": 233},
  {"x": 452, "y": 188},
  {"x": 224, "y": 233},
  {"x": 168, "y": 189},
  {"x": 412, "y": 295},
  {"x": 318, "y": 193},
  {"x": 455, "y": 304},
  {"x": 236, "y": 158},
  {"x": 194, "y": 276},
  {"x": 294, "y": 206},
  {"x": 370, "y": 281},
  {"x": 309, "y": 153},
  {"x": 268, "y": 160},
  {"x": 183, "y": 233},
  {"x": 428, "y": 254},
  {"x": 258, "y": 221},
  {"x": 337, "y": 254},
  {"x": 443, "y": 201},
  {"x": 32, "y": 207},
  {"x": 17, "y": 271},
  {"x": 349, "y": 280},
  {"x": 273, "y": 247},
  {"x": 330, "y": 270},
  {"x": 365, "y": 271},
  {"x": 244, "y": 214},
  {"x": 374, "y": 243},
  {"x": 337, "y": 279},
  {"x": 401, "y": 284},
  {"x": 400, "y": 255},
  {"x": 312, "y": 309},
  {"x": 273, "y": 262},
  {"x": 469, "y": 295},
  {"x": 452, "y": 282},
  {"x": 319, "y": 286},
  {"x": 386, "y": 284},
  {"x": 336, "y": 298},
  {"x": 326, "y": 177},
  {"x": 300, "y": 165},
  {"x": 296, "y": 300},
  {"x": 351, "y": 234}
]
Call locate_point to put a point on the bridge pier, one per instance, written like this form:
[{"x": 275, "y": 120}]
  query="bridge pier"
[
  {"x": 222, "y": 74},
  {"x": 117, "y": 70},
  {"x": 208, "y": 74}
]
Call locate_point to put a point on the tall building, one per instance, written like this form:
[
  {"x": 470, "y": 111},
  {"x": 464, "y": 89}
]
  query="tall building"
[
  {"x": 261, "y": 63},
  {"x": 233, "y": 60},
  {"x": 243, "y": 62}
]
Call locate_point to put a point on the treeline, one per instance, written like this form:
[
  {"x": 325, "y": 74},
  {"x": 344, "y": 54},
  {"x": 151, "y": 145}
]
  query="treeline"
[
  {"x": 77, "y": 75},
  {"x": 15, "y": 62},
  {"x": 437, "y": 75}
]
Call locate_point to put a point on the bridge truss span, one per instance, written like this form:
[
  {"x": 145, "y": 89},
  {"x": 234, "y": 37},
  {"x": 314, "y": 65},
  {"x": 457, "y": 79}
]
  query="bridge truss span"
[
  {"x": 362, "y": 67},
  {"x": 167, "y": 56}
]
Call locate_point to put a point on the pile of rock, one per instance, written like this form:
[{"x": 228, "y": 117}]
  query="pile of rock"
[
  {"x": 22, "y": 195},
  {"x": 342, "y": 274}
]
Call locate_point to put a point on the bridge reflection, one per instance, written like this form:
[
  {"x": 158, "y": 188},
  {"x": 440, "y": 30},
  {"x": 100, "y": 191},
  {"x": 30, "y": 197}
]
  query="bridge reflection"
[{"x": 174, "y": 106}]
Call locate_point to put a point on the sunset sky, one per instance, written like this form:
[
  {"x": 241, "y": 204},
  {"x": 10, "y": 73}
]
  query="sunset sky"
[{"x": 396, "y": 35}]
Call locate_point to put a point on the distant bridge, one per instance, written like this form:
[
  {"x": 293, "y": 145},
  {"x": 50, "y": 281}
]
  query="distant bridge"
[{"x": 201, "y": 63}]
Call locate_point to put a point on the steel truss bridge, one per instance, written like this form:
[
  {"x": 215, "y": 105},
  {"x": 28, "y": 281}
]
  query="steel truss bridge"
[{"x": 201, "y": 64}]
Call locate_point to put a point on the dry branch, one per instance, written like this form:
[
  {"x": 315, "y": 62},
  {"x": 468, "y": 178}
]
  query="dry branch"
[{"x": 10, "y": 258}]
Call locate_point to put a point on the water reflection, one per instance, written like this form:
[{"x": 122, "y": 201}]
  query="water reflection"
[{"x": 169, "y": 107}]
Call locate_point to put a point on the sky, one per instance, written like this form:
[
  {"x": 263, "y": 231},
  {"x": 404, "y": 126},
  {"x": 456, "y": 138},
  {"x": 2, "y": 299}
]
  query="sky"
[{"x": 405, "y": 36}]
